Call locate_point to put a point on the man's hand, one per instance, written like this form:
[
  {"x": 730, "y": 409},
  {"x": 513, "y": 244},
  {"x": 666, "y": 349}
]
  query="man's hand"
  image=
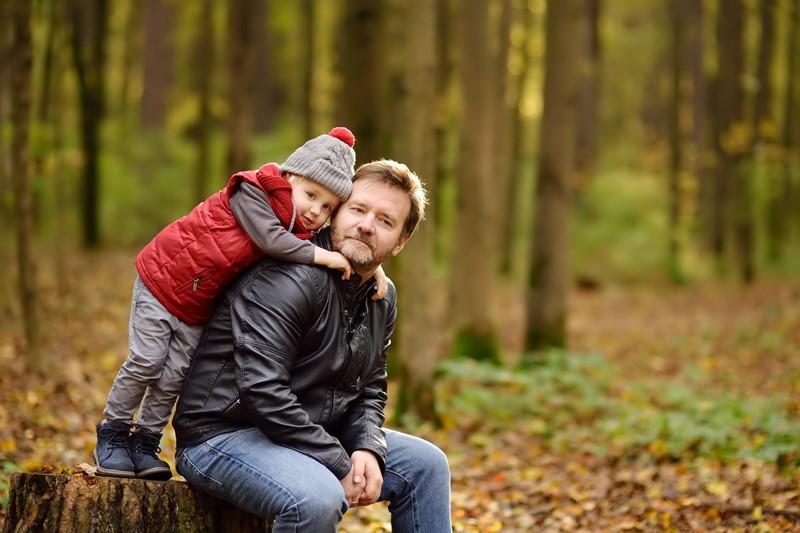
[
  {"x": 353, "y": 486},
  {"x": 366, "y": 468}
]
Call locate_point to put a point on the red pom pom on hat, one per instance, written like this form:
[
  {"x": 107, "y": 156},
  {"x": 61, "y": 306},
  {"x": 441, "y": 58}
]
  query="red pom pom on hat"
[{"x": 344, "y": 135}]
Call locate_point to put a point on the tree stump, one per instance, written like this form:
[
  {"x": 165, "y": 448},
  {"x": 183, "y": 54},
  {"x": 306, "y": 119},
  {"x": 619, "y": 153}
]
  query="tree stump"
[{"x": 45, "y": 503}]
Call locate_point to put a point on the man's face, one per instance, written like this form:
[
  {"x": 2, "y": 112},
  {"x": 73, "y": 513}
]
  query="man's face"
[{"x": 368, "y": 228}]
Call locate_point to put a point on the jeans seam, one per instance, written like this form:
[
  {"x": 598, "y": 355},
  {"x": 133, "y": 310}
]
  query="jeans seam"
[
  {"x": 412, "y": 497},
  {"x": 257, "y": 474}
]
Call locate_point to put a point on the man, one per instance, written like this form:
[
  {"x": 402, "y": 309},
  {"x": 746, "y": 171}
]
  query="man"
[{"x": 282, "y": 409}]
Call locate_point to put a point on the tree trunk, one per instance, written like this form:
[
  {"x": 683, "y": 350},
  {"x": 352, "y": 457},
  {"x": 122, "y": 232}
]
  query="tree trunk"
[
  {"x": 510, "y": 212},
  {"x": 586, "y": 151},
  {"x": 476, "y": 237},
  {"x": 21, "y": 66},
  {"x": 263, "y": 66},
  {"x": 308, "y": 32},
  {"x": 549, "y": 269},
  {"x": 418, "y": 348},
  {"x": 676, "y": 10},
  {"x": 361, "y": 103},
  {"x": 46, "y": 503},
  {"x": 6, "y": 227},
  {"x": 89, "y": 25},
  {"x": 731, "y": 212},
  {"x": 503, "y": 118},
  {"x": 785, "y": 204},
  {"x": 158, "y": 20},
  {"x": 204, "y": 59},
  {"x": 240, "y": 84},
  {"x": 699, "y": 112},
  {"x": 445, "y": 114}
]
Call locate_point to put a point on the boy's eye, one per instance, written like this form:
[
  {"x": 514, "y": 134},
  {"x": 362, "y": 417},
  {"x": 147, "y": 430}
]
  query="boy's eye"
[
  {"x": 326, "y": 207},
  {"x": 310, "y": 195}
]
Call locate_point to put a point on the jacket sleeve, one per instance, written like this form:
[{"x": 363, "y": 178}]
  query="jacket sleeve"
[
  {"x": 360, "y": 428},
  {"x": 255, "y": 214},
  {"x": 267, "y": 321}
]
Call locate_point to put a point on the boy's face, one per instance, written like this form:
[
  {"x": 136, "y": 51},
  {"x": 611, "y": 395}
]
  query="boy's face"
[{"x": 314, "y": 203}]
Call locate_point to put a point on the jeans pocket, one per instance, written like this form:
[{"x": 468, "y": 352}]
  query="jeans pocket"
[{"x": 199, "y": 479}]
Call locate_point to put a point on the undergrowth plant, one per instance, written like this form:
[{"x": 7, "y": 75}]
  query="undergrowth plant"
[{"x": 579, "y": 402}]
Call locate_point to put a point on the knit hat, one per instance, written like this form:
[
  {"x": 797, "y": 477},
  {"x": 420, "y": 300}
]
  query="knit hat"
[{"x": 328, "y": 159}]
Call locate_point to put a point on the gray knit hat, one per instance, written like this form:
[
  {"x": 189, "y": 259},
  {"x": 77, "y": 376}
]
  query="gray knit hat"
[{"x": 328, "y": 159}]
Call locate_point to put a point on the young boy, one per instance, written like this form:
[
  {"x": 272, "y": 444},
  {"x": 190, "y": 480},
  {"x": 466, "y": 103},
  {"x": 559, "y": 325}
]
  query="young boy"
[{"x": 182, "y": 270}]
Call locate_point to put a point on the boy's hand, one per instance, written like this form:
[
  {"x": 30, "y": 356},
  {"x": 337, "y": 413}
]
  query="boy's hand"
[
  {"x": 383, "y": 286},
  {"x": 333, "y": 260}
]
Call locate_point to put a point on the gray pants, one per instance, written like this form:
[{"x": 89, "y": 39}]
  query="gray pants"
[{"x": 161, "y": 346}]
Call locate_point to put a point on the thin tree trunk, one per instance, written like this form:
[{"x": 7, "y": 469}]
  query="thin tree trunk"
[
  {"x": 699, "y": 113},
  {"x": 21, "y": 67},
  {"x": 6, "y": 225},
  {"x": 676, "y": 10},
  {"x": 475, "y": 251},
  {"x": 418, "y": 341},
  {"x": 549, "y": 267},
  {"x": 503, "y": 120},
  {"x": 264, "y": 92},
  {"x": 240, "y": 84},
  {"x": 158, "y": 20},
  {"x": 308, "y": 26},
  {"x": 444, "y": 80},
  {"x": 785, "y": 205},
  {"x": 89, "y": 25},
  {"x": 510, "y": 212},
  {"x": 205, "y": 61},
  {"x": 730, "y": 147},
  {"x": 361, "y": 103},
  {"x": 586, "y": 155}
]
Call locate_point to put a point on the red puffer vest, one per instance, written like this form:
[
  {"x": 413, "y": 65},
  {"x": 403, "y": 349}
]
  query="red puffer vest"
[{"x": 191, "y": 261}]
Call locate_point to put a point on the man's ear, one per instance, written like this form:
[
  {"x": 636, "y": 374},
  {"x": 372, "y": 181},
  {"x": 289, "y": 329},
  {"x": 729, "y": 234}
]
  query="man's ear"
[{"x": 400, "y": 243}]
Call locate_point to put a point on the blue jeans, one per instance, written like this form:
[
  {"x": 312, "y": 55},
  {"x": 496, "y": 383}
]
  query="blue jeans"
[{"x": 247, "y": 469}]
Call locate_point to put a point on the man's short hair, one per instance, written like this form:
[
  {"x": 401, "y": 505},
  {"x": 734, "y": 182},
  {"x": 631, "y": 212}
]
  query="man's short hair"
[{"x": 400, "y": 176}]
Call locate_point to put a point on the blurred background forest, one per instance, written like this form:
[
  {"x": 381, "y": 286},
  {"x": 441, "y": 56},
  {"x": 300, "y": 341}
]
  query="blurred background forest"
[{"x": 569, "y": 148}]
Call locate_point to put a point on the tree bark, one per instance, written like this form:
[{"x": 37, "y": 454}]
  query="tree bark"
[
  {"x": 549, "y": 268},
  {"x": 361, "y": 103},
  {"x": 308, "y": 33},
  {"x": 158, "y": 19},
  {"x": 47, "y": 503},
  {"x": 204, "y": 41},
  {"x": 240, "y": 84},
  {"x": 731, "y": 212},
  {"x": 89, "y": 26},
  {"x": 476, "y": 240},
  {"x": 21, "y": 71},
  {"x": 417, "y": 346}
]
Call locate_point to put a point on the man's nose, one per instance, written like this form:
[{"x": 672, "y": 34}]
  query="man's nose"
[{"x": 367, "y": 223}]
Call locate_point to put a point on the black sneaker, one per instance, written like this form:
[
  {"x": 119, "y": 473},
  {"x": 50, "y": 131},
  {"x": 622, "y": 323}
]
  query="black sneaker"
[
  {"x": 112, "y": 454},
  {"x": 144, "y": 453}
]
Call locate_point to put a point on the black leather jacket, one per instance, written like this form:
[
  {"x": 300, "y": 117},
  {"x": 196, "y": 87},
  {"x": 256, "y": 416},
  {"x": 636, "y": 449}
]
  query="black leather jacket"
[{"x": 299, "y": 353}]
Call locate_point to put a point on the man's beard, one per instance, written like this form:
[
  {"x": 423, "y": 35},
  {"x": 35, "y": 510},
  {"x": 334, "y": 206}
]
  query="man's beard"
[{"x": 357, "y": 247}]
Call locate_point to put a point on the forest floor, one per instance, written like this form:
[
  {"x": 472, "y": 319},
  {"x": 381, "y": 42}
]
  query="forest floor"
[{"x": 746, "y": 339}]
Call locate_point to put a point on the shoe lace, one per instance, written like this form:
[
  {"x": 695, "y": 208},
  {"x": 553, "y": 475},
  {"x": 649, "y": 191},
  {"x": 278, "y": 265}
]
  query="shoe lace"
[
  {"x": 117, "y": 437},
  {"x": 147, "y": 442}
]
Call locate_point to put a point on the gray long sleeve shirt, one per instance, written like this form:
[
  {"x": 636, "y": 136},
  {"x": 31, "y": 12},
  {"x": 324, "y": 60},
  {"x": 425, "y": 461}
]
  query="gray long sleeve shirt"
[{"x": 255, "y": 214}]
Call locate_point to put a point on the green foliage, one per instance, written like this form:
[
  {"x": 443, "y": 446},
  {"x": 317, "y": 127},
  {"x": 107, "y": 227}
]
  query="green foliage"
[
  {"x": 6, "y": 469},
  {"x": 573, "y": 402},
  {"x": 478, "y": 346}
]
